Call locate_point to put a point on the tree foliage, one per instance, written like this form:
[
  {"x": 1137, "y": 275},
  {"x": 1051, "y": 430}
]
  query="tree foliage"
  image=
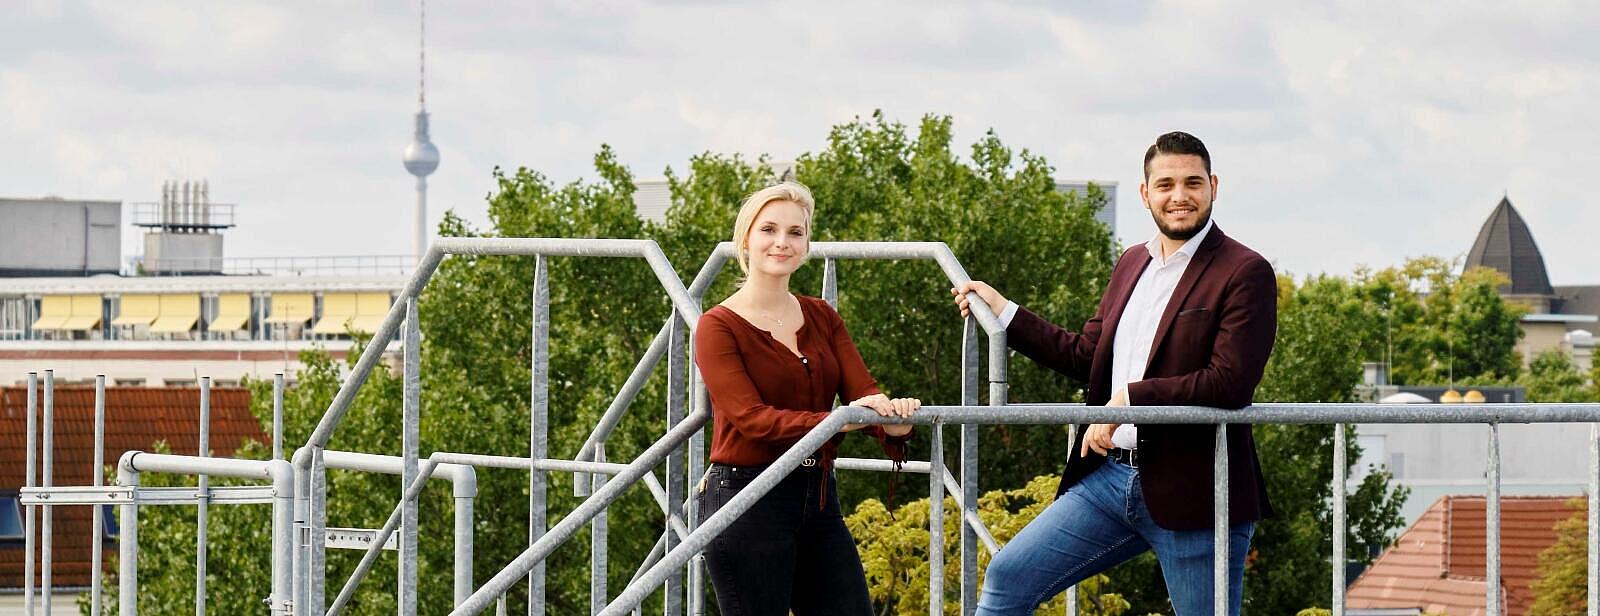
[
  {"x": 874, "y": 179},
  {"x": 894, "y": 550},
  {"x": 1563, "y": 570}
]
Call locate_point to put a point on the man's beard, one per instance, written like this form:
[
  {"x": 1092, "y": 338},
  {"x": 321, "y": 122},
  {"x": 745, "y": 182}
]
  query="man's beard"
[{"x": 1182, "y": 235}]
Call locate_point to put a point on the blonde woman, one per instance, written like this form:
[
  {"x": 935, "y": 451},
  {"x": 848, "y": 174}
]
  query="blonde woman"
[{"x": 773, "y": 363}]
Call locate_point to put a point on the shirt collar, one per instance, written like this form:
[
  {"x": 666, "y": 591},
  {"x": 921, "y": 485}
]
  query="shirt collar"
[{"x": 1187, "y": 249}]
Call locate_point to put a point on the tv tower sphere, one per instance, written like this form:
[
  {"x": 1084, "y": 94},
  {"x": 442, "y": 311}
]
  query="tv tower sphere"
[{"x": 421, "y": 156}]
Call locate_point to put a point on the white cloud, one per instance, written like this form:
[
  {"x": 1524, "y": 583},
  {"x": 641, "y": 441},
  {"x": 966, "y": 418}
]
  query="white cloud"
[{"x": 1345, "y": 133}]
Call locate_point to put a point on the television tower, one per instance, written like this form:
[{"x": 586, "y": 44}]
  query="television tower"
[{"x": 421, "y": 157}]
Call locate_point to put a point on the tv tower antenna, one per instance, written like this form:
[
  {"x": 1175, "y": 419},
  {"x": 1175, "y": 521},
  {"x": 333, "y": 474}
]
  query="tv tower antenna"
[{"x": 421, "y": 157}]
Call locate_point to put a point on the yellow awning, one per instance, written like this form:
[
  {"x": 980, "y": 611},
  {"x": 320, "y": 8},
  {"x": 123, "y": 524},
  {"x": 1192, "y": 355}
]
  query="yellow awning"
[
  {"x": 292, "y": 308},
  {"x": 85, "y": 313},
  {"x": 54, "y": 310},
  {"x": 371, "y": 308},
  {"x": 337, "y": 310},
  {"x": 179, "y": 313},
  {"x": 138, "y": 310},
  {"x": 233, "y": 313}
]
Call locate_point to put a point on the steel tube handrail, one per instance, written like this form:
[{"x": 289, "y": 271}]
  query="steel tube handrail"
[
  {"x": 282, "y": 477},
  {"x": 568, "y": 526},
  {"x": 1310, "y": 413}
]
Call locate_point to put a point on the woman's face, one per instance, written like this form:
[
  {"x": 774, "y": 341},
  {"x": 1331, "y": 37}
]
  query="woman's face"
[{"x": 779, "y": 239}]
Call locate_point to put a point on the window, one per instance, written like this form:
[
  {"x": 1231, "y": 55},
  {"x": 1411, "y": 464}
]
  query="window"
[
  {"x": 109, "y": 529},
  {"x": 10, "y": 518}
]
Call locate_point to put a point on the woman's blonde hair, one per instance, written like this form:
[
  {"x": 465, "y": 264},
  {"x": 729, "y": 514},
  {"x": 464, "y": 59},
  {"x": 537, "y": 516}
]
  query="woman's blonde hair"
[{"x": 787, "y": 190}]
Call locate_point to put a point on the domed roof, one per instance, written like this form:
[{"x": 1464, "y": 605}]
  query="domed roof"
[{"x": 1505, "y": 244}]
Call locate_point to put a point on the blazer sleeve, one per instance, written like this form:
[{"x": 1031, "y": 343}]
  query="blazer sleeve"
[
  {"x": 1055, "y": 347},
  {"x": 1247, "y": 326},
  {"x": 734, "y": 394}
]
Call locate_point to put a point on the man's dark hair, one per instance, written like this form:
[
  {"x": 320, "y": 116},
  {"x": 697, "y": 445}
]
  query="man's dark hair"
[{"x": 1177, "y": 142}]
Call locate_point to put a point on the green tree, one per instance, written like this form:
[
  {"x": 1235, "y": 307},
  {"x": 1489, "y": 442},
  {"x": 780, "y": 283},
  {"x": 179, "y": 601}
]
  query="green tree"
[
  {"x": 894, "y": 549},
  {"x": 1436, "y": 326},
  {"x": 874, "y": 182},
  {"x": 1563, "y": 569},
  {"x": 1551, "y": 377}
]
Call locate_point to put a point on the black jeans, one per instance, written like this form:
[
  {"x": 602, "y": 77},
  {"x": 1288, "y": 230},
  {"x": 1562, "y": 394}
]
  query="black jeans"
[{"x": 785, "y": 553}]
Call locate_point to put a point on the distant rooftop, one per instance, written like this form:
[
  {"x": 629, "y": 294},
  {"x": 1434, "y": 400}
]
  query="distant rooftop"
[
  {"x": 1438, "y": 565},
  {"x": 1505, "y": 244}
]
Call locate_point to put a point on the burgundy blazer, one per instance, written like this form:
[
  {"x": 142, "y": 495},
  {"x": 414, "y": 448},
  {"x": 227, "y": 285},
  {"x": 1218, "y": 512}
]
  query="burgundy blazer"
[{"x": 1210, "y": 349}]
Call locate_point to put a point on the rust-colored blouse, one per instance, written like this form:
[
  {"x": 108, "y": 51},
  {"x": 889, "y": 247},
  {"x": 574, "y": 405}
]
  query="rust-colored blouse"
[{"x": 764, "y": 397}]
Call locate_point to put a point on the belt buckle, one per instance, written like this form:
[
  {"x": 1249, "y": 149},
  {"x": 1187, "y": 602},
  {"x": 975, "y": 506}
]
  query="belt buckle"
[{"x": 808, "y": 462}]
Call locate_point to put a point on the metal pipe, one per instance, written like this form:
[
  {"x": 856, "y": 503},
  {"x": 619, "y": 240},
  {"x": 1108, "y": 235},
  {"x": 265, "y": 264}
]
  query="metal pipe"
[
  {"x": 697, "y": 467},
  {"x": 1594, "y": 519},
  {"x": 374, "y": 350},
  {"x": 1219, "y": 524},
  {"x": 1492, "y": 526},
  {"x": 279, "y": 472},
  {"x": 128, "y": 541},
  {"x": 28, "y": 530},
  {"x": 1339, "y": 522},
  {"x": 464, "y": 545},
  {"x": 97, "y": 474},
  {"x": 677, "y": 383},
  {"x": 936, "y": 521},
  {"x": 282, "y": 600},
  {"x": 317, "y": 501},
  {"x": 370, "y": 557},
  {"x": 969, "y": 471},
  {"x": 410, "y": 427},
  {"x": 697, "y": 540},
  {"x": 46, "y": 530},
  {"x": 619, "y": 405},
  {"x": 277, "y": 416},
  {"x": 538, "y": 435},
  {"x": 563, "y": 530},
  {"x": 302, "y": 528},
  {"x": 597, "y": 542},
  {"x": 464, "y": 482},
  {"x": 202, "y": 514},
  {"x": 830, "y": 282}
]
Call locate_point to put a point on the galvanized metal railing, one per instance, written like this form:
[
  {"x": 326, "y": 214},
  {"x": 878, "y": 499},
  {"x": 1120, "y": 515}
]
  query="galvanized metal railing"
[{"x": 301, "y": 532}]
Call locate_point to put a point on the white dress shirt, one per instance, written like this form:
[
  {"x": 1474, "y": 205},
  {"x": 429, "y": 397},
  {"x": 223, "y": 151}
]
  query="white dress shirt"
[{"x": 1136, "y": 328}]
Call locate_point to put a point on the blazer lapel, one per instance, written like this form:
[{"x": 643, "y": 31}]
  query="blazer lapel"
[{"x": 1191, "y": 276}]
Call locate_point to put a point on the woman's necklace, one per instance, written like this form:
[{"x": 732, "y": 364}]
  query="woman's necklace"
[{"x": 772, "y": 317}]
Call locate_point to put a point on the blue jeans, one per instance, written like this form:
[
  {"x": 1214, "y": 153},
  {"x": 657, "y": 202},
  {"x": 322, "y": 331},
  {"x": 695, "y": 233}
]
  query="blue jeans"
[{"x": 1098, "y": 523}]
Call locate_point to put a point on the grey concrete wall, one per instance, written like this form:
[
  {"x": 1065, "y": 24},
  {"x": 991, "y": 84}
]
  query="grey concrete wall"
[
  {"x": 183, "y": 252},
  {"x": 50, "y": 237}
]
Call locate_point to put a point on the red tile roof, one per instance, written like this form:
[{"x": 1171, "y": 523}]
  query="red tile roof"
[
  {"x": 1438, "y": 564},
  {"x": 136, "y": 417}
]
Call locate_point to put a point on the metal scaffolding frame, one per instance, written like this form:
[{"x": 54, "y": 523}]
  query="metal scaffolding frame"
[{"x": 298, "y": 491}]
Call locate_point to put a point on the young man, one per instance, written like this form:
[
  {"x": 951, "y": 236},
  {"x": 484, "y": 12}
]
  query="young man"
[{"x": 1187, "y": 318}]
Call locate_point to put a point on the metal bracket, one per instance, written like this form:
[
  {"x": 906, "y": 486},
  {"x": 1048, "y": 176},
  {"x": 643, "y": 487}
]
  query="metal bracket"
[{"x": 357, "y": 539}]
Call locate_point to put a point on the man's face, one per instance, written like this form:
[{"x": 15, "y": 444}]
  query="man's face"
[{"x": 1178, "y": 192}]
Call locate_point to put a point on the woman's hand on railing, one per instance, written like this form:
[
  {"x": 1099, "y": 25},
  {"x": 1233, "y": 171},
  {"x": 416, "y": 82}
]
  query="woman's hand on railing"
[{"x": 888, "y": 407}]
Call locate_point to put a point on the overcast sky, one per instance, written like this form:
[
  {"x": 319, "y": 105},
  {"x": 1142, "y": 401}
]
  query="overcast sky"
[{"x": 1344, "y": 133}]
